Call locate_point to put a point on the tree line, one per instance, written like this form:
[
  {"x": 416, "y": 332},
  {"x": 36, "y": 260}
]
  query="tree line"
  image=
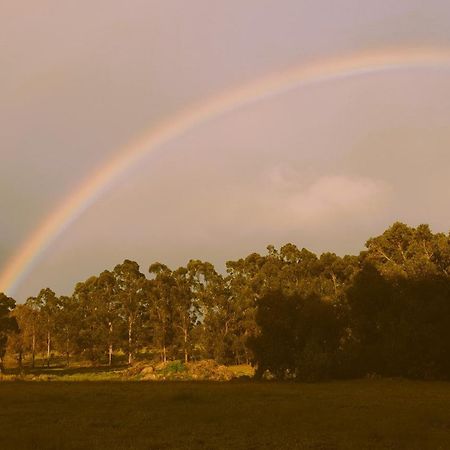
[{"x": 291, "y": 313}]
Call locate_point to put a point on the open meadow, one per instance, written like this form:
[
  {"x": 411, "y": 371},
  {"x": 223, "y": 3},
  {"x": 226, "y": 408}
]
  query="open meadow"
[
  {"x": 358, "y": 414},
  {"x": 225, "y": 225}
]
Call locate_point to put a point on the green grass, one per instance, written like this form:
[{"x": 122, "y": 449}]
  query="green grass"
[
  {"x": 242, "y": 370},
  {"x": 72, "y": 373},
  {"x": 365, "y": 414},
  {"x": 80, "y": 371}
]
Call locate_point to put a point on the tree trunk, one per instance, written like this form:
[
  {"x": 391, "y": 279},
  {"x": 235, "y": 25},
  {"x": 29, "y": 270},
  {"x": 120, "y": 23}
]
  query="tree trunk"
[
  {"x": 130, "y": 341},
  {"x": 33, "y": 349},
  {"x": 20, "y": 358},
  {"x": 164, "y": 355},
  {"x": 110, "y": 350},
  {"x": 67, "y": 352},
  {"x": 163, "y": 352},
  {"x": 48, "y": 348},
  {"x": 186, "y": 356},
  {"x": 334, "y": 278}
]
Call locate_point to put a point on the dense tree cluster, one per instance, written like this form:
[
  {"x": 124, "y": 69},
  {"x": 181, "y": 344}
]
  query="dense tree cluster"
[
  {"x": 292, "y": 313},
  {"x": 385, "y": 312}
]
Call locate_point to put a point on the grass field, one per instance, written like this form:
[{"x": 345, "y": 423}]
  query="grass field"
[{"x": 237, "y": 415}]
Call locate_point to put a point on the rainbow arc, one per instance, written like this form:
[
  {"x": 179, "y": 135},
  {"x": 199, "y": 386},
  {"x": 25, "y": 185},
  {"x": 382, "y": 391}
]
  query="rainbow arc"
[{"x": 356, "y": 64}]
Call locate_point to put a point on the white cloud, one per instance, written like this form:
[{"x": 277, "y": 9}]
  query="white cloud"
[
  {"x": 289, "y": 200},
  {"x": 335, "y": 195}
]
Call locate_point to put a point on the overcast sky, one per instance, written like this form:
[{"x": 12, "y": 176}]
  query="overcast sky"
[{"x": 323, "y": 166}]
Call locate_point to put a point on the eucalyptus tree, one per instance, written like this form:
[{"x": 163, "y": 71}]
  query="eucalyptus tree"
[
  {"x": 33, "y": 322},
  {"x": 184, "y": 310},
  {"x": 22, "y": 341},
  {"x": 222, "y": 322},
  {"x": 68, "y": 323},
  {"x": 299, "y": 336},
  {"x": 409, "y": 252},
  {"x": 130, "y": 285},
  {"x": 97, "y": 308},
  {"x": 175, "y": 305},
  {"x": 335, "y": 274},
  {"x": 211, "y": 318},
  {"x": 193, "y": 289},
  {"x": 49, "y": 308},
  {"x": 246, "y": 282},
  {"x": 441, "y": 253},
  {"x": 108, "y": 304},
  {"x": 8, "y": 324},
  {"x": 160, "y": 290},
  {"x": 288, "y": 269},
  {"x": 299, "y": 270},
  {"x": 92, "y": 338}
]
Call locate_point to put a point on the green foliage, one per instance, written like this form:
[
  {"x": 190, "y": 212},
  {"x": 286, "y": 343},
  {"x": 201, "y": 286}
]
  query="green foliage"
[
  {"x": 401, "y": 325},
  {"x": 299, "y": 336},
  {"x": 8, "y": 324},
  {"x": 173, "y": 367},
  {"x": 289, "y": 312}
]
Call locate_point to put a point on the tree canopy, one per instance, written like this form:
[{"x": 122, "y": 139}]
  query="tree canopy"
[{"x": 290, "y": 312}]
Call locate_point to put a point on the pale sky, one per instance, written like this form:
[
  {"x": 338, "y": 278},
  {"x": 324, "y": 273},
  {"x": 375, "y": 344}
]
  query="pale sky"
[{"x": 323, "y": 166}]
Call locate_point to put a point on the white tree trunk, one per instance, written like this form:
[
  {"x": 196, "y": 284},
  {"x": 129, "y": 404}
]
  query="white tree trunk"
[
  {"x": 130, "y": 341},
  {"x": 186, "y": 356},
  {"x": 33, "y": 349},
  {"x": 110, "y": 349},
  {"x": 48, "y": 348}
]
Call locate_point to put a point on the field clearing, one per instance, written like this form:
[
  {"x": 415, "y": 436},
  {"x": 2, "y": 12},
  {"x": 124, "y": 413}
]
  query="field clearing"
[{"x": 364, "y": 414}]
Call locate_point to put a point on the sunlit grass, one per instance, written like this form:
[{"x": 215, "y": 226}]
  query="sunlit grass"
[
  {"x": 243, "y": 370},
  {"x": 80, "y": 371}
]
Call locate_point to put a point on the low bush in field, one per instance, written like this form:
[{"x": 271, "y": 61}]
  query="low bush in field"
[
  {"x": 176, "y": 370},
  {"x": 209, "y": 370}
]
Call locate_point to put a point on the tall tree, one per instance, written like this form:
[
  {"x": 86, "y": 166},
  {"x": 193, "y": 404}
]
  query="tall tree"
[
  {"x": 405, "y": 251},
  {"x": 107, "y": 300},
  {"x": 33, "y": 323},
  {"x": 299, "y": 336},
  {"x": 49, "y": 310},
  {"x": 22, "y": 342},
  {"x": 8, "y": 324},
  {"x": 92, "y": 337},
  {"x": 160, "y": 289},
  {"x": 67, "y": 327},
  {"x": 131, "y": 294}
]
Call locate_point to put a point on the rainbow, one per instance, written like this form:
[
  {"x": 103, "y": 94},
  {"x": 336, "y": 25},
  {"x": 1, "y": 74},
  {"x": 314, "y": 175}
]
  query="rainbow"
[{"x": 99, "y": 181}]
